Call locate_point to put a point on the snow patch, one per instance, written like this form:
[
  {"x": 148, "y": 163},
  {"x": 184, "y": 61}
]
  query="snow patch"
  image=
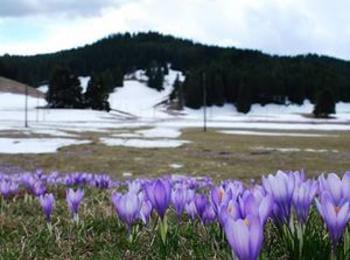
[
  {"x": 84, "y": 83},
  {"x": 292, "y": 149},
  {"x": 43, "y": 88},
  {"x": 10, "y": 101},
  {"x": 127, "y": 174},
  {"x": 127, "y": 135},
  {"x": 175, "y": 165},
  {"x": 143, "y": 143},
  {"x": 36, "y": 145},
  {"x": 160, "y": 132}
]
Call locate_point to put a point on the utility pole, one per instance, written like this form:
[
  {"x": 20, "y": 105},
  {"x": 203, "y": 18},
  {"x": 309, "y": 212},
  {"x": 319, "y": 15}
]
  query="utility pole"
[
  {"x": 26, "y": 108},
  {"x": 204, "y": 103}
]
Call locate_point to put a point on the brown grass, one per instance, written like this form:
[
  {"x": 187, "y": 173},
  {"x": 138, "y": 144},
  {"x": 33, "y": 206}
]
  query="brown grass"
[
  {"x": 211, "y": 153},
  {"x": 15, "y": 87}
]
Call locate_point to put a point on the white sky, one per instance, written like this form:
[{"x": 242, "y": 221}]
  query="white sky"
[{"x": 273, "y": 26}]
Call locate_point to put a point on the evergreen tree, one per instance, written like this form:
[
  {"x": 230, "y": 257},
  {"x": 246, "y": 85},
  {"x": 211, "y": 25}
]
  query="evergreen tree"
[
  {"x": 165, "y": 69},
  {"x": 193, "y": 90},
  {"x": 159, "y": 79},
  {"x": 219, "y": 90},
  {"x": 97, "y": 93},
  {"x": 64, "y": 90},
  {"x": 325, "y": 104},
  {"x": 108, "y": 80},
  {"x": 155, "y": 76},
  {"x": 177, "y": 94},
  {"x": 243, "y": 102},
  {"x": 118, "y": 77}
]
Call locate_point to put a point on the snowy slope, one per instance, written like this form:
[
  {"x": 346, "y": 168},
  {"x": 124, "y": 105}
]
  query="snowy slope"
[
  {"x": 9, "y": 101},
  {"x": 141, "y": 101},
  {"x": 138, "y": 99}
]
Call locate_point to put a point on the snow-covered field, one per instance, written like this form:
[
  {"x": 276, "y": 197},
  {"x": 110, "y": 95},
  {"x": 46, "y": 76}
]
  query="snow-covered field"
[{"x": 137, "y": 120}]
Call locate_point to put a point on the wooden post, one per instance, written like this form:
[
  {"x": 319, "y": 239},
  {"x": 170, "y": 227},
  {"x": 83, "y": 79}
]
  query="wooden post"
[{"x": 204, "y": 103}]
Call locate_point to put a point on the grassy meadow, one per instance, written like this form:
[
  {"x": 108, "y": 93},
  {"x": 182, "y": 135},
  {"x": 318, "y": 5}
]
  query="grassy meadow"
[{"x": 211, "y": 153}]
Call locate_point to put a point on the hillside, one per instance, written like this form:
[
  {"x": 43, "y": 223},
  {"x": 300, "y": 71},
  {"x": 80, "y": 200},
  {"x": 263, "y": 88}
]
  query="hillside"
[
  {"x": 140, "y": 119},
  {"x": 14, "y": 87},
  {"x": 232, "y": 76}
]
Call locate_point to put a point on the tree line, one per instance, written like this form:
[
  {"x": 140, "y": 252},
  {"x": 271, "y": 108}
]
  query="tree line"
[
  {"x": 232, "y": 75},
  {"x": 65, "y": 90}
]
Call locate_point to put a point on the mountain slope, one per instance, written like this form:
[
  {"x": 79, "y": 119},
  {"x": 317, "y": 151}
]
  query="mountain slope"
[
  {"x": 231, "y": 74},
  {"x": 15, "y": 87}
]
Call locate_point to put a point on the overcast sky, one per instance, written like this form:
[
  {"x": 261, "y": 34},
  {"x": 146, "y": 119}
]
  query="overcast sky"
[{"x": 273, "y": 26}]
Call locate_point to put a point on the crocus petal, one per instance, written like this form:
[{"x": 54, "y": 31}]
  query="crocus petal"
[
  {"x": 256, "y": 236},
  {"x": 334, "y": 186}
]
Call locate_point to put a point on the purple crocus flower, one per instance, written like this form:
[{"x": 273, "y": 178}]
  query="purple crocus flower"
[
  {"x": 5, "y": 188},
  {"x": 201, "y": 202},
  {"x": 73, "y": 199},
  {"x": 127, "y": 206},
  {"x": 179, "y": 199},
  {"x": 251, "y": 204},
  {"x": 335, "y": 217},
  {"x": 47, "y": 203},
  {"x": 303, "y": 197},
  {"x": 159, "y": 194},
  {"x": 209, "y": 215},
  {"x": 8, "y": 187},
  {"x": 338, "y": 189},
  {"x": 231, "y": 210},
  {"x": 145, "y": 211},
  {"x": 38, "y": 188},
  {"x": 236, "y": 188},
  {"x": 146, "y": 207},
  {"x": 134, "y": 186},
  {"x": 190, "y": 209},
  {"x": 218, "y": 197},
  {"x": 245, "y": 237},
  {"x": 101, "y": 181},
  {"x": 281, "y": 188}
]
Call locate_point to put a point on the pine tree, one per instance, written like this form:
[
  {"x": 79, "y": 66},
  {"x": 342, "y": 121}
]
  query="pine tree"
[
  {"x": 118, "y": 77},
  {"x": 177, "y": 94},
  {"x": 219, "y": 90},
  {"x": 193, "y": 90},
  {"x": 325, "y": 104},
  {"x": 108, "y": 80},
  {"x": 243, "y": 102},
  {"x": 165, "y": 69},
  {"x": 159, "y": 79},
  {"x": 155, "y": 76},
  {"x": 64, "y": 90},
  {"x": 97, "y": 93}
]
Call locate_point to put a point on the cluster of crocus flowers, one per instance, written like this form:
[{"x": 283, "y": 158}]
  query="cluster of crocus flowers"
[
  {"x": 243, "y": 216},
  {"x": 242, "y": 211},
  {"x": 8, "y": 188}
]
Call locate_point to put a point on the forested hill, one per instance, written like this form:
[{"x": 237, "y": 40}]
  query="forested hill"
[{"x": 231, "y": 75}]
